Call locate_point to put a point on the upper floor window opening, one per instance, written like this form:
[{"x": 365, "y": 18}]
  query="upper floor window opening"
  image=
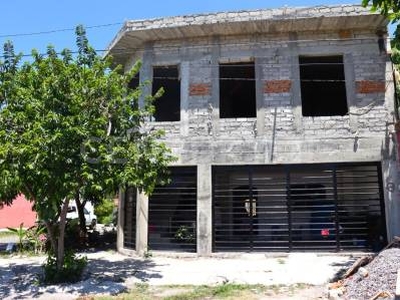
[
  {"x": 134, "y": 84},
  {"x": 237, "y": 90},
  {"x": 168, "y": 106},
  {"x": 323, "y": 86}
]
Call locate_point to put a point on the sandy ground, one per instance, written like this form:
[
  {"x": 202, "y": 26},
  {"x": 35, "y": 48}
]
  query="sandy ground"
[{"x": 110, "y": 273}]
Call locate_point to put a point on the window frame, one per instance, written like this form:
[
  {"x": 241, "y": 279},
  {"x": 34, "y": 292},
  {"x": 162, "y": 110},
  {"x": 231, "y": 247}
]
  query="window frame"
[
  {"x": 166, "y": 117},
  {"x": 227, "y": 109},
  {"x": 311, "y": 107}
]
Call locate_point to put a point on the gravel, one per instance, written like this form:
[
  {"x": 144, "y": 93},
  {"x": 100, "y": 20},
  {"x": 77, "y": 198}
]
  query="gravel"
[{"x": 381, "y": 277}]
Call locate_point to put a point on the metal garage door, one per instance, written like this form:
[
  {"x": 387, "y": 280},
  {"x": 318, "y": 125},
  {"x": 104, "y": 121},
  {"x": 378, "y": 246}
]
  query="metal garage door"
[
  {"x": 325, "y": 207},
  {"x": 130, "y": 218},
  {"x": 172, "y": 212}
]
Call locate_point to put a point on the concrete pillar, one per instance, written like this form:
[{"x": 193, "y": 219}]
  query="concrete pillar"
[
  {"x": 121, "y": 220},
  {"x": 350, "y": 77},
  {"x": 296, "y": 89},
  {"x": 391, "y": 188},
  {"x": 391, "y": 163},
  {"x": 146, "y": 72},
  {"x": 204, "y": 210},
  {"x": 215, "y": 56},
  {"x": 142, "y": 218},
  {"x": 260, "y": 128},
  {"x": 184, "y": 98}
]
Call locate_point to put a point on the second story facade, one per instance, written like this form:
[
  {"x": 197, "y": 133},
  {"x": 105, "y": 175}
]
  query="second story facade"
[{"x": 267, "y": 86}]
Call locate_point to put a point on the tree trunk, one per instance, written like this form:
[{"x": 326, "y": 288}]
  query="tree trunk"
[
  {"x": 82, "y": 221},
  {"x": 60, "y": 246},
  {"x": 51, "y": 235}
]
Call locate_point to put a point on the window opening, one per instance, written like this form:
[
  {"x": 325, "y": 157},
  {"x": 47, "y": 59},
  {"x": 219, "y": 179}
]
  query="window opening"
[
  {"x": 323, "y": 88},
  {"x": 134, "y": 83},
  {"x": 237, "y": 90},
  {"x": 167, "y": 107}
]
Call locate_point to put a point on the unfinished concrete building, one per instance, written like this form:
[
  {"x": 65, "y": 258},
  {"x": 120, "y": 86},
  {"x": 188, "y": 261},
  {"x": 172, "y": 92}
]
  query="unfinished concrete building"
[{"x": 283, "y": 124}]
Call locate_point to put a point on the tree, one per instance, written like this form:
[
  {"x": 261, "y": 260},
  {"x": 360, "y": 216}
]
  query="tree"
[
  {"x": 389, "y": 8},
  {"x": 72, "y": 129}
]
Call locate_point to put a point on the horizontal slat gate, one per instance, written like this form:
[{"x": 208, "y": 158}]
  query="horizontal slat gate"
[
  {"x": 319, "y": 207},
  {"x": 130, "y": 218},
  {"x": 172, "y": 212},
  {"x": 361, "y": 208}
]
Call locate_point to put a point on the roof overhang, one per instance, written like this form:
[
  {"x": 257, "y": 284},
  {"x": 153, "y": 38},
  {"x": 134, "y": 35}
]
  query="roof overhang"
[{"x": 135, "y": 34}]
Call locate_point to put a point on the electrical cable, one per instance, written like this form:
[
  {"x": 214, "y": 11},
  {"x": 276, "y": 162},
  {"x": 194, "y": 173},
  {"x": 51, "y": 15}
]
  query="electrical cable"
[{"x": 57, "y": 30}]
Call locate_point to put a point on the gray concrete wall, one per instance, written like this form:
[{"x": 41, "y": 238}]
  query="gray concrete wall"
[{"x": 279, "y": 134}]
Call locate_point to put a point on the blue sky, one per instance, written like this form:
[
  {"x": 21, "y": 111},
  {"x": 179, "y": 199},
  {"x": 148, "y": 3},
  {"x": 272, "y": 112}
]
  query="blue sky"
[{"x": 24, "y": 17}]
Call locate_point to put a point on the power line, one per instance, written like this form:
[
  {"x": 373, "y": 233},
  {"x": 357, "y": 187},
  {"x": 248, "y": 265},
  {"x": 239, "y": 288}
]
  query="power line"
[
  {"x": 57, "y": 30},
  {"x": 252, "y": 45},
  {"x": 120, "y": 23}
]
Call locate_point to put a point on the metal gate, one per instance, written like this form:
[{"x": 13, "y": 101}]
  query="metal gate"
[
  {"x": 172, "y": 212},
  {"x": 130, "y": 218},
  {"x": 323, "y": 207}
]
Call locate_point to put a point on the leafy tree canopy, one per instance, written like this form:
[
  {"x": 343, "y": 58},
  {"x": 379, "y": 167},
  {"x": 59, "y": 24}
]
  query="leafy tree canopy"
[
  {"x": 71, "y": 127},
  {"x": 389, "y": 8}
]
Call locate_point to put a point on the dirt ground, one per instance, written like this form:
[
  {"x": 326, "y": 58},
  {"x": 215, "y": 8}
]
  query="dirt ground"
[
  {"x": 242, "y": 277},
  {"x": 259, "y": 292}
]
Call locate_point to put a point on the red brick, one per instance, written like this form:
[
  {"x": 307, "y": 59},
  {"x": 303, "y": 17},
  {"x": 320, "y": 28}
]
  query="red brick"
[
  {"x": 345, "y": 34},
  {"x": 370, "y": 87},
  {"x": 200, "y": 89},
  {"x": 277, "y": 86}
]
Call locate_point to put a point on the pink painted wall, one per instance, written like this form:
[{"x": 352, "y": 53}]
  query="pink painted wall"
[{"x": 19, "y": 212}]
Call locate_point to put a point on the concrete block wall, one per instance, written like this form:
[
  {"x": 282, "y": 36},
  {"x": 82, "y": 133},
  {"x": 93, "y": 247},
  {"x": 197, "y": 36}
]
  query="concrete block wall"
[{"x": 279, "y": 128}]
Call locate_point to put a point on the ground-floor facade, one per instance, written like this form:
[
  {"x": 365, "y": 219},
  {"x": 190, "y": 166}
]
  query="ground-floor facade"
[{"x": 294, "y": 207}]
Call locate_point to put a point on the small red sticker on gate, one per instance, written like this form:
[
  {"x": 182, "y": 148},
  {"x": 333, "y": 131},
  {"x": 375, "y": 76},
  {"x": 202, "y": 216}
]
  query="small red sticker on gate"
[{"x": 324, "y": 232}]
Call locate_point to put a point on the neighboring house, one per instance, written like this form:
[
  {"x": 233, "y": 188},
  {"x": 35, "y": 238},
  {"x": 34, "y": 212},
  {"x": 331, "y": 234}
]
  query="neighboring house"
[
  {"x": 19, "y": 212},
  {"x": 283, "y": 124}
]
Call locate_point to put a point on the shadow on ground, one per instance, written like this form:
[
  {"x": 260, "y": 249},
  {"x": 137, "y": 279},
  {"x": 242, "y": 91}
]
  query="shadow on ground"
[
  {"x": 19, "y": 279},
  {"x": 344, "y": 266}
]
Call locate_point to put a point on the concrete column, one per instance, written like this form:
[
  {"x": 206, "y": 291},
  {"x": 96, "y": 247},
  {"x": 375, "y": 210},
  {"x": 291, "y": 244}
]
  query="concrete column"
[
  {"x": 259, "y": 95},
  {"x": 146, "y": 72},
  {"x": 215, "y": 56},
  {"x": 121, "y": 220},
  {"x": 349, "y": 76},
  {"x": 184, "y": 68},
  {"x": 391, "y": 190},
  {"x": 296, "y": 88},
  {"x": 390, "y": 88},
  {"x": 204, "y": 210},
  {"x": 142, "y": 220}
]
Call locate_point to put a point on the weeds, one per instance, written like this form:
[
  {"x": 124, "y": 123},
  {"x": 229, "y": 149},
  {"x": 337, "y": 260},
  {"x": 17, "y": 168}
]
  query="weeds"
[
  {"x": 71, "y": 270},
  {"x": 20, "y": 232},
  {"x": 281, "y": 261}
]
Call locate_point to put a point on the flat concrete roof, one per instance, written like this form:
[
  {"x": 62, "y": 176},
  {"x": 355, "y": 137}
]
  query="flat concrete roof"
[{"x": 134, "y": 34}]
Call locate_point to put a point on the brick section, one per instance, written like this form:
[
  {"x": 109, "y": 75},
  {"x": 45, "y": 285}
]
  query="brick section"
[
  {"x": 277, "y": 86},
  {"x": 200, "y": 89},
  {"x": 345, "y": 34},
  {"x": 370, "y": 87}
]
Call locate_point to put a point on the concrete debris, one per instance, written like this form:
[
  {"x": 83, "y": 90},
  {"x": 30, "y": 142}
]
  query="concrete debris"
[
  {"x": 363, "y": 272},
  {"x": 336, "y": 294},
  {"x": 376, "y": 280},
  {"x": 362, "y": 261}
]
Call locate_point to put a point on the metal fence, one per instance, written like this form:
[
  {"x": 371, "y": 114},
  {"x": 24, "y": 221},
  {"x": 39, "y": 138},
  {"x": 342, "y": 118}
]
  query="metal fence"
[{"x": 323, "y": 207}]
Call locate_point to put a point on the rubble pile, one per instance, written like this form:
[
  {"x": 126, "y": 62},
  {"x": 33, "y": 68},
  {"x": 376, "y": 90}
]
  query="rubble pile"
[
  {"x": 379, "y": 276},
  {"x": 370, "y": 277}
]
